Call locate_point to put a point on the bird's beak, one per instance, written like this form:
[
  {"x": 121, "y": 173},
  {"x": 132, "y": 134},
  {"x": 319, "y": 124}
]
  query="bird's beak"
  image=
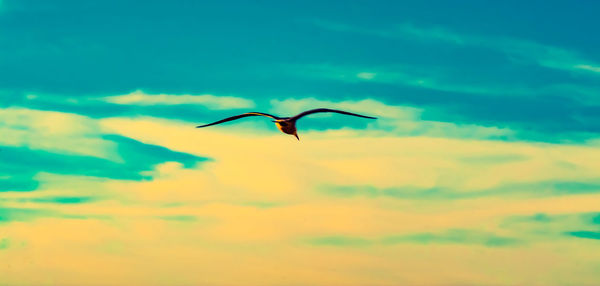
[{"x": 296, "y": 134}]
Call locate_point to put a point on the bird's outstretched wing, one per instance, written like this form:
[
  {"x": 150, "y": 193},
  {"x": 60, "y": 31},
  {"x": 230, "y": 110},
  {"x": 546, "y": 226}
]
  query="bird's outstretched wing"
[
  {"x": 238, "y": 117},
  {"x": 318, "y": 110}
]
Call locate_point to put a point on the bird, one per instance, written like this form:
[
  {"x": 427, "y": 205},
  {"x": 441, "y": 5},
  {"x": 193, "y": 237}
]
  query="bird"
[{"x": 286, "y": 125}]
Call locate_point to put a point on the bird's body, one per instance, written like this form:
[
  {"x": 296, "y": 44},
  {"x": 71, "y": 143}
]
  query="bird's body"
[{"x": 286, "y": 125}]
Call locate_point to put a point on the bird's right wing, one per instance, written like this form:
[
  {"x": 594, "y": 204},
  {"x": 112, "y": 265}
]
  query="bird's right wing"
[
  {"x": 238, "y": 117},
  {"x": 319, "y": 110}
]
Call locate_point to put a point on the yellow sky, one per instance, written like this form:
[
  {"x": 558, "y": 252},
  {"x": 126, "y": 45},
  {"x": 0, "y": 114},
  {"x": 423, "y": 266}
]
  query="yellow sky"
[{"x": 337, "y": 208}]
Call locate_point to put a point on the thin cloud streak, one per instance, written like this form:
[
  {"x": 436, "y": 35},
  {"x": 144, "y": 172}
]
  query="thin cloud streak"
[
  {"x": 520, "y": 49},
  {"x": 414, "y": 76},
  {"x": 211, "y": 101}
]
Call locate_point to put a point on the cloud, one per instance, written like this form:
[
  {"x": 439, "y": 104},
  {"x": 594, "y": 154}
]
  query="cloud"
[
  {"x": 4, "y": 242},
  {"x": 10, "y": 181},
  {"x": 339, "y": 241},
  {"x": 551, "y": 227},
  {"x": 585, "y": 234},
  {"x": 210, "y": 215},
  {"x": 518, "y": 49},
  {"x": 527, "y": 117},
  {"x": 134, "y": 158},
  {"x": 22, "y": 214},
  {"x": 433, "y": 78},
  {"x": 61, "y": 132},
  {"x": 452, "y": 236},
  {"x": 37, "y": 141},
  {"x": 514, "y": 190},
  {"x": 393, "y": 119},
  {"x": 94, "y": 107},
  {"x": 595, "y": 218},
  {"x": 208, "y": 100},
  {"x": 396, "y": 164},
  {"x": 513, "y": 112},
  {"x": 588, "y": 67},
  {"x": 181, "y": 218},
  {"x": 61, "y": 200},
  {"x": 366, "y": 75},
  {"x": 366, "y": 106}
]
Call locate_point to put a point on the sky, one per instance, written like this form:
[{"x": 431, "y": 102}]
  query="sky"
[{"x": 481, "y": 169}]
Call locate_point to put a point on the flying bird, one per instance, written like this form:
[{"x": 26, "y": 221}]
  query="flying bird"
[{"x": 287, "y": 125}]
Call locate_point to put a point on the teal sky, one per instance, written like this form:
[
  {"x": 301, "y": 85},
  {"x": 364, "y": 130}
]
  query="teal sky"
[{"x": 532, "y": 67}]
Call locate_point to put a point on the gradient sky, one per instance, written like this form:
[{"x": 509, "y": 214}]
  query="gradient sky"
[{"x": 482, "y": 169}]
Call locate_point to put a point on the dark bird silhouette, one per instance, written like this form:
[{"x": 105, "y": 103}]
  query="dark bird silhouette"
[{"x": 287, "y": 125}]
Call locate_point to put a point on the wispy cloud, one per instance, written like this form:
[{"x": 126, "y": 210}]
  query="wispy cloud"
[
  {"x": 414, "y": 76},
  {"x": 521, "y": 50},
  {"x": 588, "y": 67},
  {"x": 529, "y": 111},
  {"x": 208, "y": 100},
  {"x": 22, "y": 214},
  {"x": 342, "y": 241},
  {"x": 585, "y": 234},
  {"x": 395, "y": 119},
  {"x": 452, "y": 236},
  {"x": 4, "y": 243},
  {"x": 49, "y": 130},
  {"x": 37, "y": 141},
  {"x": 510, "y": 190},
  {"x": 20, "y": 165}
]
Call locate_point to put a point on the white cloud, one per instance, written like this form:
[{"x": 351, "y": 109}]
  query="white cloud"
[
  {"x": 211, "y": 101},
  {"x": 366, "y": 75},
  {"x": 53, "y": 131},
  {"x": 393, "y": 119},
  {"x": 588, "y": 67}
]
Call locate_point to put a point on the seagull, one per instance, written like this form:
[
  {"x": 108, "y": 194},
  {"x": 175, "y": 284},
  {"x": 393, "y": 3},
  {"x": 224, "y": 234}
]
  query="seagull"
[{"x": 287, "y": 125}]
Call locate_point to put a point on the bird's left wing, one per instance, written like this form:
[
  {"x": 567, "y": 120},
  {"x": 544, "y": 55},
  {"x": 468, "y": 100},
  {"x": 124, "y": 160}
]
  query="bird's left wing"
[
  {"x": 238, "y": 117},
  {"x": 318, "y": 110}
]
